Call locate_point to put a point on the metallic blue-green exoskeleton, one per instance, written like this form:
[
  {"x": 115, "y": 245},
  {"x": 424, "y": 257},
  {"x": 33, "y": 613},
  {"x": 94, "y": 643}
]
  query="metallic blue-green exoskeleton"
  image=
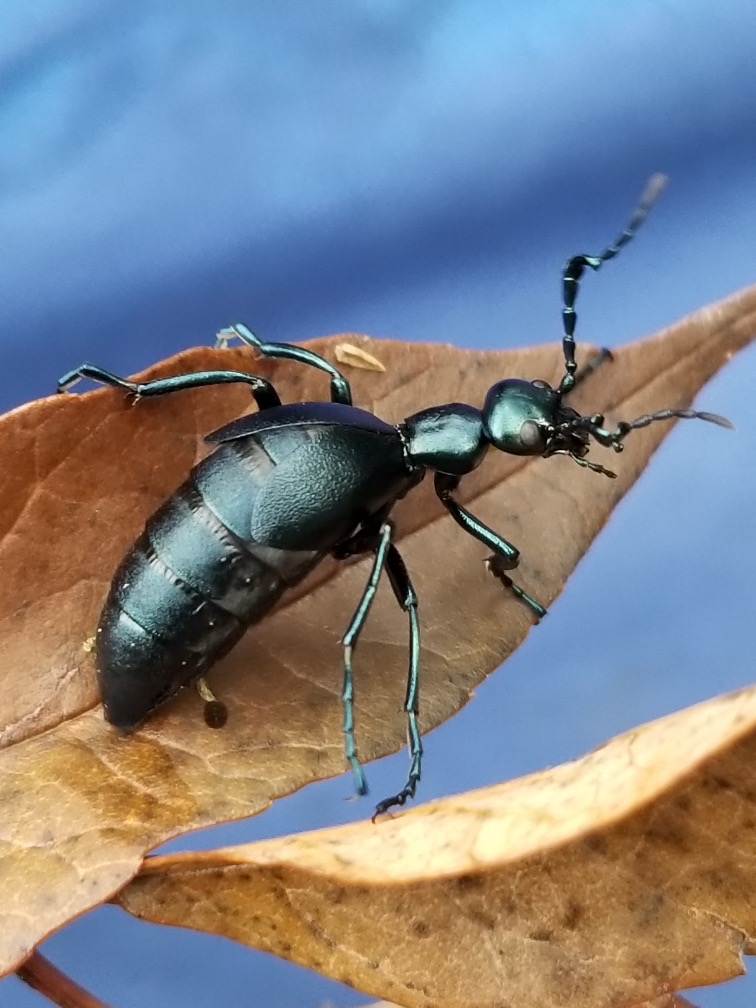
[{"x": 291, "y": 484}]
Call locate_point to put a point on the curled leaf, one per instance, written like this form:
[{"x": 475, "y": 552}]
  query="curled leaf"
[{"x": 606, "y": 881}]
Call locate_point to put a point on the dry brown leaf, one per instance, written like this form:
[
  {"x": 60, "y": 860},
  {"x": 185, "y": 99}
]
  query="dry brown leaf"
[
  {"x": 607, "y": 881},
  {"x": 668, "y": 1001},
  {"x": 357, "y": 357},
  {"x": 79, "y": 476},
  {"x": 665, "y": 1001}
]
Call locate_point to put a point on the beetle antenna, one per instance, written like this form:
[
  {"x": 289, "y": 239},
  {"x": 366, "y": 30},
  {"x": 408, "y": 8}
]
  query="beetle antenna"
[
  {"x": 614, "y": 439},
  {"x": 575, "y": 267}
]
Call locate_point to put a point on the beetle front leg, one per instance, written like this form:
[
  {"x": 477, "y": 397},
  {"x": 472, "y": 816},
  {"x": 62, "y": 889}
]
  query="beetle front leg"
[{"x": 506, "y": 556}]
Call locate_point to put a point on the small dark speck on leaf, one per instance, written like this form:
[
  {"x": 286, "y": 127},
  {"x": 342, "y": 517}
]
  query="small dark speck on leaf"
[
  {"x": 574, "y": 913},
  {"x": 595, "y": 844},
  {"x": 541, "y": 935},
  {"x": 468, "y": 882}
]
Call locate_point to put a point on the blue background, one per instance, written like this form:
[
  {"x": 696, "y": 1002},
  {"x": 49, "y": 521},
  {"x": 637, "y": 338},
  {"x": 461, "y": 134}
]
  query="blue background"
[{"x": 417, "y": 170}]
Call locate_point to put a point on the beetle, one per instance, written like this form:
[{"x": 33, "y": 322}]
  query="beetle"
[{"x": 293, "y": 483}]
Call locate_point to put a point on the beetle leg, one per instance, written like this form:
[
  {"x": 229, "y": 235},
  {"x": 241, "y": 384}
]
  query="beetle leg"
[
  {"x": 506, "y": 556},
  {"x": 381, "y": 543},
  {"x": 340, "y": 389},
  {"x": 497, "y": 567},
  {"x": 94, "y": 373},
  {"x": 407, "y": 599},
  {"x": 365, "y": 539},
  {"x": 264, "y": 393},
  {"x": 376, "y": 536}
]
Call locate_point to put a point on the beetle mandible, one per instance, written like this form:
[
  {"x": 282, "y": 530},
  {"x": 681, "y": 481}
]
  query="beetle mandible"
[{"x": 289, "y": 485}]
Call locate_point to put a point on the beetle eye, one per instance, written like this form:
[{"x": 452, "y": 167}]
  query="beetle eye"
[
  {"x": 531, "y": 436},
  {"x": 540, "y": 383}
]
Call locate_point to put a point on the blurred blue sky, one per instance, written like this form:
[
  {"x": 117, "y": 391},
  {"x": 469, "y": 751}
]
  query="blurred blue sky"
[{"x": 417, "y": 170}]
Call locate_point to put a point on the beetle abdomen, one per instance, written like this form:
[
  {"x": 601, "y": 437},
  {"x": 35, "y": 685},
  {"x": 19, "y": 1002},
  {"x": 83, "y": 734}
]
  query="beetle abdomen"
[
  {"x": 253, "y": 519},
  {"x": 188, "y": 588}
]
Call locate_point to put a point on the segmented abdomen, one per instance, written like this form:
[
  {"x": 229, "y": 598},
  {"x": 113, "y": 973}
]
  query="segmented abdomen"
[{"x": 191, "y": 584}]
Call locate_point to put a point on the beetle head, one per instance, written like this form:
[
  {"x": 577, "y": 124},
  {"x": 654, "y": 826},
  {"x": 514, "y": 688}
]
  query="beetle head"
[{"x": 529, "y": 418}]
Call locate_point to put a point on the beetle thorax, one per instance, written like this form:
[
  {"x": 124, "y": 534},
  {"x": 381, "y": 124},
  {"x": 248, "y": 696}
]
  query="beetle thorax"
[{"x": 446, "y": 439}]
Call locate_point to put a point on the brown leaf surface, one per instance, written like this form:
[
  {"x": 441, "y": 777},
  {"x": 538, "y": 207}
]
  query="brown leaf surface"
[
  {"x": 665, "y": 1001},
  {"x": 603, "y": 882},
  {"x": 80, "y": 474}
]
